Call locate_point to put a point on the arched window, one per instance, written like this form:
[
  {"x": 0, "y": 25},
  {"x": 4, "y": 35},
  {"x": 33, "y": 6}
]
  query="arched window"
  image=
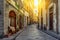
[{"x": 12, "y": 18}]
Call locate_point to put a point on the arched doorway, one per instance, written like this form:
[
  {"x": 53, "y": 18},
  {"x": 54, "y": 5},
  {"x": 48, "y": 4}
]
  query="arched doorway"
[
  {"x": 12, "y": 22},
  {"x": 51, "y": 17}
]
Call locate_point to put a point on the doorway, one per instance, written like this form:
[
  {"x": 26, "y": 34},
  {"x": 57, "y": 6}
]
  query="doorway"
[
  {"x": 20, "y": 22},
  {"x": 41, "y": 19},
  {"x": 51, "y": 18},
  {"x": 12, "y": 22}
]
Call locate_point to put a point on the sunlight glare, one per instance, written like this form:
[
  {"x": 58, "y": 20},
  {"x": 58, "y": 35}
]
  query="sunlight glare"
[{"x": 36, "y": 2}]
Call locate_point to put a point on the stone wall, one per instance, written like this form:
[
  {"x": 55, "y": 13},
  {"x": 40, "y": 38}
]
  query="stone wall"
[
  {"x": 1, "y": 17},
  {"x": 8, "y": 8}
]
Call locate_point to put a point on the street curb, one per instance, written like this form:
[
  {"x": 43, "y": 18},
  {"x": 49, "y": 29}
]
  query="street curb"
[{"x": 17, "y": 35}]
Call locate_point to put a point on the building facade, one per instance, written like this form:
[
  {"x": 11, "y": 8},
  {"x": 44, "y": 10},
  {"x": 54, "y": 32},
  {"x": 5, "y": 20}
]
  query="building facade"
[
  {"x": 13, "y": 17},
  {"x": 52, "y": 13},
  {"x": 49, "y": 16}
]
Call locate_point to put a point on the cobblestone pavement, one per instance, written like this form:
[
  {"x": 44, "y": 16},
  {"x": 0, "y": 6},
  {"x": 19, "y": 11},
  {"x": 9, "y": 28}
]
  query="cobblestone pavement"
[{"x": 32, "y": 33}]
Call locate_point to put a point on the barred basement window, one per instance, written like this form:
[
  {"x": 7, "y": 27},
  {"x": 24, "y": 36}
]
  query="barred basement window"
[{"x": 0, "y": 11}]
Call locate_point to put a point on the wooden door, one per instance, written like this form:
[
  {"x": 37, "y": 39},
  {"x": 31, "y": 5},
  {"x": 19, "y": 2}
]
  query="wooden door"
[
  {"x": 51, "y": 18},
  {"x": 51, "y": 21}
]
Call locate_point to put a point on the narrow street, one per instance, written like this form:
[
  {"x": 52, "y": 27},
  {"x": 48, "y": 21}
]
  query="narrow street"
[
  {"x": 19, "y": 18},
  {"x": 32, "y": 33}
]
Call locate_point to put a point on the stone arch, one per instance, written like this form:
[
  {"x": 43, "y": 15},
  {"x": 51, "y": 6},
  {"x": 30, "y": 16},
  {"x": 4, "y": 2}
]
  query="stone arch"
[{"x": 12, "y": 21}]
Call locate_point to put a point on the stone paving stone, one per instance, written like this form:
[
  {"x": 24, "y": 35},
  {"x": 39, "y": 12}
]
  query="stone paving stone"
[{"x": 32, "y": 33}]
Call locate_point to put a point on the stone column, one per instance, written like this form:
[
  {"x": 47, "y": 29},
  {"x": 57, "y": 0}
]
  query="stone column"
[{"x": 59, "y": 15}]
